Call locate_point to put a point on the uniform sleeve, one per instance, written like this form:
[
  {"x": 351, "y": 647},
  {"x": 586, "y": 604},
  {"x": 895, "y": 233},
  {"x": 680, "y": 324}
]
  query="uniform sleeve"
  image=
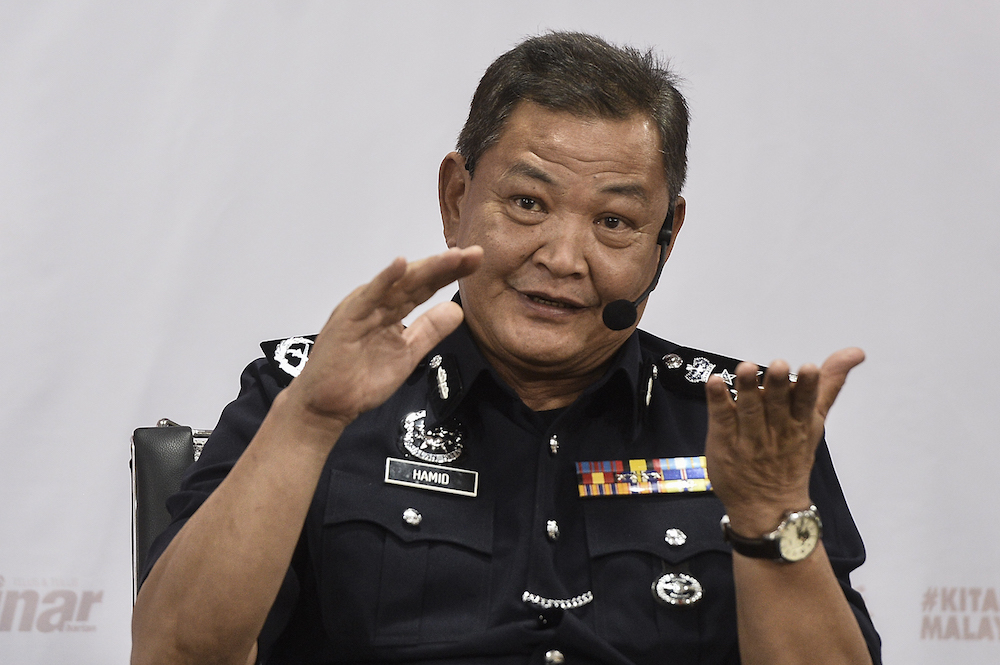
[
  {"x": 842, "y": 541},
  {"x": 238, "y": 424}
]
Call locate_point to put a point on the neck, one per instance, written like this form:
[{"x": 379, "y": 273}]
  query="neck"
[{"x": 541, "y": 391}]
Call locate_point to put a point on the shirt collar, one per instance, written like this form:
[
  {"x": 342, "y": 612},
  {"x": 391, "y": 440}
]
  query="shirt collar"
[
  {"x": 452, "y": 369},
  {"x": 457, "y": 364}
]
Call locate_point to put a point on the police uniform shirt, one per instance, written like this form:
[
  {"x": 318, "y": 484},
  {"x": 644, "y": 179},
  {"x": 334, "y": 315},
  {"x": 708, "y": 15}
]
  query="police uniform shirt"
[{"x": 413, "y": 553}]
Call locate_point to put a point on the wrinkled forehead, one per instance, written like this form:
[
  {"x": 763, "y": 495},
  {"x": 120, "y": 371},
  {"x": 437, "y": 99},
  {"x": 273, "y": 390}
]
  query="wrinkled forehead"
[
  {"x": 544, "y": 145},
  {"x": 555, "y": 116}
]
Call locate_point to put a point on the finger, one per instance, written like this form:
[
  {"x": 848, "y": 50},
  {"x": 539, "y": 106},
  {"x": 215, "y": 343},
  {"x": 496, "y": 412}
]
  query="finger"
[
  {"x": 364, "y": 299},
  {"x": 426, "y": 277},
  {"x": 804, "y": 395},
  {"x": 721, "y": 409},
  {"x": 383, "y": 281},
  {"x": 776, "y": 391},
  {"x": 833, "y": 374},
  {"x": 423, "y": 279},
  {"x": 402, "y": 286},
  {"x": 749, "y": 403},
  {"x": 431, "y": 327}
]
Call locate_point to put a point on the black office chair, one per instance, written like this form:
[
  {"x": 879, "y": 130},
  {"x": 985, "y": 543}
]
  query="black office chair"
[{"x": 160, "y": 456}]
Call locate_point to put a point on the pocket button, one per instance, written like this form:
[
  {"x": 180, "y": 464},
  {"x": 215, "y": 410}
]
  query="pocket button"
[
  {"x": 675, "y": 537},
  {"x": 412, "y": 517}
]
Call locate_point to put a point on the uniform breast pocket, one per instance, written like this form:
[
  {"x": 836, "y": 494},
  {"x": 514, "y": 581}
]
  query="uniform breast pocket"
[
  {"x": 404, "y": 565},
  {"x": 637, "y": 541}
]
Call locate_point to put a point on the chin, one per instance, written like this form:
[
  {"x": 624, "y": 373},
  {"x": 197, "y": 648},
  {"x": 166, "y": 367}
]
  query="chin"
[{"x": 540, "y": 354}]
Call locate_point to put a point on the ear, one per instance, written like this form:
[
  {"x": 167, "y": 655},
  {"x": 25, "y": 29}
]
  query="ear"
[
  {"x": 680, "y": 207},
  {"x": 453, "y": 183}
]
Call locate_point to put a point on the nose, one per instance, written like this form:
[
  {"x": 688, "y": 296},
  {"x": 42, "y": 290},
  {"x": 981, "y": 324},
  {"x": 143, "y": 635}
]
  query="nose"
[{"x": 562, "y": 250}]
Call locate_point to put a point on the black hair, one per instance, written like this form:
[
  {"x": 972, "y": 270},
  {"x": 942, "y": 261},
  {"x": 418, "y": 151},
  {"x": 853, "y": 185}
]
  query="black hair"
[{"x": 586, "y": 76}]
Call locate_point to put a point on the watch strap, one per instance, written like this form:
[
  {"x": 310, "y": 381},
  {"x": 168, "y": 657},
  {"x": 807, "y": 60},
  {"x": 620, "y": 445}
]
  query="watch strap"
[
  {"x": 756, "y": 548},
  {"x": 769, "y": 546}
]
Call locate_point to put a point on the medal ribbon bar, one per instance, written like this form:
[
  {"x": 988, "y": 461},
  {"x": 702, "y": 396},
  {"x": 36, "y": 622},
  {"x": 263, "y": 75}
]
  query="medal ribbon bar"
[{"x": 664, "y": 475}]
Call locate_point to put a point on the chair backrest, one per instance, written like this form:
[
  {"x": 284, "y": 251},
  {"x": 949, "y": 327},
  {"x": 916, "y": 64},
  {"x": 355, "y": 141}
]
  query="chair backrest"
[{"x": 160, "y": 456}]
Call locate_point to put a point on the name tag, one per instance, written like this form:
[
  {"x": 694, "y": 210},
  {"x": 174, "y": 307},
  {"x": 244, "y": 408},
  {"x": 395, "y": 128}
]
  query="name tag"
[{"x": 431, "y": 477}]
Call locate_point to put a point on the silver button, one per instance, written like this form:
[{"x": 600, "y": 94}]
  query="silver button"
[
  {"x": 675, "y": 537},
  {"x": 412, "y": 516},
  {"x": 552, "y": 530},
  {"x": 554, "y": 444},
  {"x": 672, "y": 361},
  {"x": 554, "y": 657}
]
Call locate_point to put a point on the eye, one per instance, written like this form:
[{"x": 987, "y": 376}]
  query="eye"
[
  {"x": 612, "y": 223},
  {"x": 616, "y": 231},
  {"x": 527, "y": 203}
]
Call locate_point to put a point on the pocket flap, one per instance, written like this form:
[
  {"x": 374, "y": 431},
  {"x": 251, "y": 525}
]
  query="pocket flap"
[
  {"x": 640, "y": 523},
  {"x": 462, "y": 520}
]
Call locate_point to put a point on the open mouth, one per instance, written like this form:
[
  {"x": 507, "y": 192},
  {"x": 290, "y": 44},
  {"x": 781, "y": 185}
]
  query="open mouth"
[{"x": 552, "y": 303}]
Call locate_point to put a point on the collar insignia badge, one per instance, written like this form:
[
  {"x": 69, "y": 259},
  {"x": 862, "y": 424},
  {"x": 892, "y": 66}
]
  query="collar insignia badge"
[
  {"x": 678, "y": 589},
  {"x": 727, "y": 376},
  {"x": 439, "y": 445},
  {"x": 291, "y": 354},
  {"x": 686, "y": 375},
  {"x": 440, "y": 377},
  {"x": 666, "y": 475},
  {"x": 699, "y": 370},
  {"x": 653, "y": 374}
]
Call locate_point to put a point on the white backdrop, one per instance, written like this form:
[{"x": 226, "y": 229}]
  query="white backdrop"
[{"x": 181, "y": 180}]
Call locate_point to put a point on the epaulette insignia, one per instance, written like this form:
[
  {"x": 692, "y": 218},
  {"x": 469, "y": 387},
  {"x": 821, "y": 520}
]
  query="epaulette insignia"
[
  {"x": 687, "y": 370},
  {"x": 288, "y": 355}
]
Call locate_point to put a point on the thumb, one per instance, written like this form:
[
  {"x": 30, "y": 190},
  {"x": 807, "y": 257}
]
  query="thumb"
[
  {"x": 833, "y": 375},
  {"x": 431, "y": 327}
]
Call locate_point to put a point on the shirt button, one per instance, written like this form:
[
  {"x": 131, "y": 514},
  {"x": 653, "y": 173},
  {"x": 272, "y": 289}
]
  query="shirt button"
[
  {"x": 675, "y": 537},
  {"x": 552, "y": 531},
  {"x": 554, "y": 657},
  {"x": 412, "y": 517}
]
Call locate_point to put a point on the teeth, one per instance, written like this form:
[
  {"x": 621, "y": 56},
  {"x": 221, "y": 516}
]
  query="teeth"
[{"x": 550, "y": 303}]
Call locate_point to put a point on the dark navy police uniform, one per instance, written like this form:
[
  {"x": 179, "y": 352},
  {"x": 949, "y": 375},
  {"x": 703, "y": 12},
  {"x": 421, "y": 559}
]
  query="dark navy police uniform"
[{"x": 470, "y": 542}]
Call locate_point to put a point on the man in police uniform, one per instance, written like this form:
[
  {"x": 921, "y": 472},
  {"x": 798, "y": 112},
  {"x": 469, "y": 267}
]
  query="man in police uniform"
[{"x": 520, "y": 475}]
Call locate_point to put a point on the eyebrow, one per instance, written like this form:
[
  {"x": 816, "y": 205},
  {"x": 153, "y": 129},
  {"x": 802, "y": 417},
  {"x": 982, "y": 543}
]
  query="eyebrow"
[
  {"x": 632, "y": 191},
  {"x": 524, "y": 169},
  {"x": 527, "y": 170}
]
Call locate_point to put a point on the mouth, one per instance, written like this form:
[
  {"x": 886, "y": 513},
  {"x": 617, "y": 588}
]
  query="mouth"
[{"x": 552, "y": 302}]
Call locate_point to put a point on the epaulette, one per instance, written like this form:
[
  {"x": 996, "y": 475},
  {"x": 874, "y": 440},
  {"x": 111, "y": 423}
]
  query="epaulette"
[
  {"x": 288, "y": 356},
  {"x": 687, "y": 370},
  {"x": 681, "y": 369}
]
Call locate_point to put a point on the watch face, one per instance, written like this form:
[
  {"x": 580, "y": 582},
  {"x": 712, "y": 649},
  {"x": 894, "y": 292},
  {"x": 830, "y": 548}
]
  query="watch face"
[{"x": 799, "y": 537}]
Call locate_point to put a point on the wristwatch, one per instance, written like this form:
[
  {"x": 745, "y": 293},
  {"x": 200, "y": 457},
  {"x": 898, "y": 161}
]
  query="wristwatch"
[{"x": 794, "y": 539}]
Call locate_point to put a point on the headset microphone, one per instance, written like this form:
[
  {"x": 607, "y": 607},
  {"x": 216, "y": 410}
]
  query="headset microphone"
[{"x": 620, "y": 314}]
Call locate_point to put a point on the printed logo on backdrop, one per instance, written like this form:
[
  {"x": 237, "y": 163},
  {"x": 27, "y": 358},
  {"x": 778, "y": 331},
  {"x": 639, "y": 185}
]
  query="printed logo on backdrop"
[
  {"x": 960, "y": 613},
  {"x": 46, "y": 605}
]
